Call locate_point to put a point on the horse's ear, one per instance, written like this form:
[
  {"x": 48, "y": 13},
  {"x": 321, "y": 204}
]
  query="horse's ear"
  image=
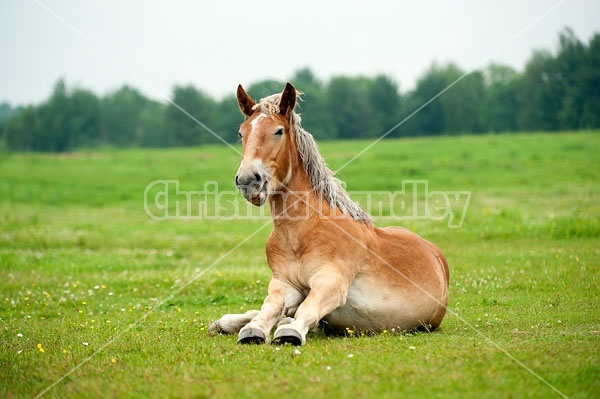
[
  {"x": 288, "y": 99},
  {"x": 245, "y": 101}
]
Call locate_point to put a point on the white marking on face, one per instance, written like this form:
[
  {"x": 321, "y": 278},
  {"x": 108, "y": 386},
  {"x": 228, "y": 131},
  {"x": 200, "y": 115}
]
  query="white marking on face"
[
  {"x": 254, "y": 123},
  {"x": 251, "y": 138}
]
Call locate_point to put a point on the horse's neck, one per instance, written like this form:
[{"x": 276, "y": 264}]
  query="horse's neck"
[{"x": 296, "y": 202}]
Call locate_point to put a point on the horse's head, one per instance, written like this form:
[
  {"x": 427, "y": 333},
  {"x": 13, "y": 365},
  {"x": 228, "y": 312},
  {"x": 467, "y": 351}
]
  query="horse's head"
[{"x": 267, "y": 144}]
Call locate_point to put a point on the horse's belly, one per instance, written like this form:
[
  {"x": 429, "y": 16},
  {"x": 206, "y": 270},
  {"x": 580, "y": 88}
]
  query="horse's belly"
[{"x": 372, "y": 306}]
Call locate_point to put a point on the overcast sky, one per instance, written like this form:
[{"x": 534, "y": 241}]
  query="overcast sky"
[{"x": 214, "y": 45}]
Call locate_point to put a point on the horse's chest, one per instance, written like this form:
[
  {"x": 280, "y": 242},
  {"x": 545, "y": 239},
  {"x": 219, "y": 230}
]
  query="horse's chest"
[
  {"x": 285, "y": 246},
  {"x": 289, "y": 259},
  {"x": 284, "y": 259}
]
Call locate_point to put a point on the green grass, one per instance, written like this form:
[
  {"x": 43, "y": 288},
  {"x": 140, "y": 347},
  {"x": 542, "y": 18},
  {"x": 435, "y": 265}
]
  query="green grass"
[{"x": 84, "y": 270}]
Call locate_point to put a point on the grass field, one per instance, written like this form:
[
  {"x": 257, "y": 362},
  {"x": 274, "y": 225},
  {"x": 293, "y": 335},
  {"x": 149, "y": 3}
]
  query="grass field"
[{"x": 88, "y": 280}]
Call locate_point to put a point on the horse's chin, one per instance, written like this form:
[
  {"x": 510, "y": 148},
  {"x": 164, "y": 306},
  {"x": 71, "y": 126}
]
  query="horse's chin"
[{"x": 259, "y": 200}]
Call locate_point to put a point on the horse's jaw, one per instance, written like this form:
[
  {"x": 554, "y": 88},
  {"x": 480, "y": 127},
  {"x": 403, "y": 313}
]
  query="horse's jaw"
[{"x": 260, "y": 199}]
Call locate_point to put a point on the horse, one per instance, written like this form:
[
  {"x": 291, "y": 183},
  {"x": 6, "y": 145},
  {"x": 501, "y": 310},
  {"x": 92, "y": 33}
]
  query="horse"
[{"x": 330, "y": 265}]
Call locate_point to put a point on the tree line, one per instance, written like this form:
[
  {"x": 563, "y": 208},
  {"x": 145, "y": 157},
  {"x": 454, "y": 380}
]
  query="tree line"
[{"x": 555, "y": 91}]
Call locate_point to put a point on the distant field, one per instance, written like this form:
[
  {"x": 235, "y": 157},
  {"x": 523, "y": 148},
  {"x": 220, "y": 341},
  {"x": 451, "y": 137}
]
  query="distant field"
[{"x": 84, "y": 271}]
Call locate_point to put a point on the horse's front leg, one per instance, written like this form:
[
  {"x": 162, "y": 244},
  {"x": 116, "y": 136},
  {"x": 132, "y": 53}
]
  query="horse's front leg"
[
  {"x": 328, "y": 291},
  {"x": 282, "y": 299},
  {"x": 231, "y": 323}
]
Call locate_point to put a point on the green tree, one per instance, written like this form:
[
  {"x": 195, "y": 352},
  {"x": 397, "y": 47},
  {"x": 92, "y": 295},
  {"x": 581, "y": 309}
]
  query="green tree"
[
  {"x": 555, "y": 91},
  {"x": 569, "y": 60},
  {"x": 313, "y": 106},
  {"x": 6, "y": 112},
  {"x": 462, "y": 102},
  {"x": 229, "y": 118},
  {"x": 540, "y": 94},
  {"x": 82, "y": 120},
  {"x": 130, "y": 119},
  {"x": 184, "y": 117},
  {"x": 587, "y": 90},
  {"x": 385, "y": 102},
  {"x": 430, "y": 119},
  {"x": 578, "y": 72},
  {"x": 349, "y": 106},
  {"x": 53, "y": 135},
  {"x": 68, "y": 120},
  {"x": 151, "y": 131},
  {"x": 121, "y": 112},
  {"x": 19, "y": 131},
  {"x": 500, "y": 106}
]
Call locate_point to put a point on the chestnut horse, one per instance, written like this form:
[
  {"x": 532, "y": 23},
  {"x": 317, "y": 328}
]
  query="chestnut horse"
[{"x": 328, "y": 262}]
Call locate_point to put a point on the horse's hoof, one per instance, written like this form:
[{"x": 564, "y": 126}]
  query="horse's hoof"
[
  {"x": 251, "y": 336},
  {"x": 287, "y": 336},
  {"x": 215, "y": 328}
]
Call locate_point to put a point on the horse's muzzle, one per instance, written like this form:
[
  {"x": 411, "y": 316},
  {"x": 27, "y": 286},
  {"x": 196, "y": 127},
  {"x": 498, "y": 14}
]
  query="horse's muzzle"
[{"x": 253, "y": 187}]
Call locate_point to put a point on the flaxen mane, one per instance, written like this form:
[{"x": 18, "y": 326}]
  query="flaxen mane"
[{"x": 325, "y": 185}]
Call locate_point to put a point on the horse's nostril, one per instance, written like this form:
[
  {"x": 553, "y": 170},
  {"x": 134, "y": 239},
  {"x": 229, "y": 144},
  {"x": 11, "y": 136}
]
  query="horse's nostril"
[{"x": 248, "y": 179}]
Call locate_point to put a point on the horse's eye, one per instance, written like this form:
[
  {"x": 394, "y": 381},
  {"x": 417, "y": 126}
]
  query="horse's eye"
[
  {"x": 240, "y": 135},
  {"x": 279, "y": 132}
]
